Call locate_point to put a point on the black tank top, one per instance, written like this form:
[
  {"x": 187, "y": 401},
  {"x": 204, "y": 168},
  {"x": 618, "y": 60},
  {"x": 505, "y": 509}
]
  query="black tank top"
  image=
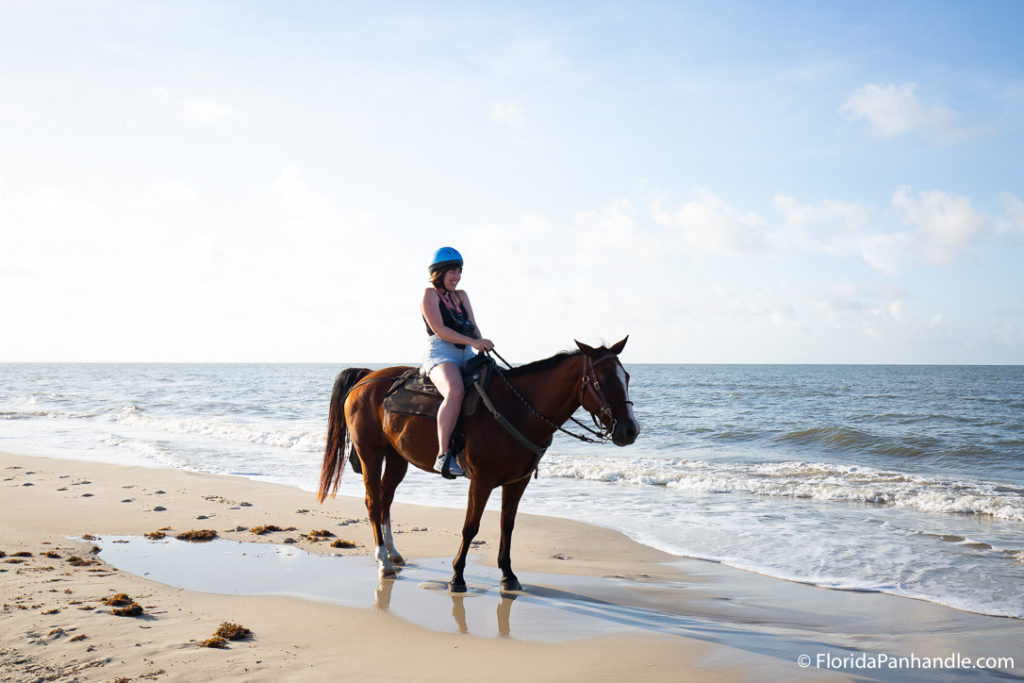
[{"x": 455, "y": 319}]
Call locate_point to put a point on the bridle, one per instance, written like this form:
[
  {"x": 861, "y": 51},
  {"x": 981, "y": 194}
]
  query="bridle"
[{"x": 588, "y": 383}]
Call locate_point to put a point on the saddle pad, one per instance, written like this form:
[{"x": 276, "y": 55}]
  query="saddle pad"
[{"x": 414, "y": 394}]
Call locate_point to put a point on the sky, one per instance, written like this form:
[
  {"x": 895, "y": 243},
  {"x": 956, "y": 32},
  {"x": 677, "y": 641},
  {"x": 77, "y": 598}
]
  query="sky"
[{"x": 727, "y": 182}]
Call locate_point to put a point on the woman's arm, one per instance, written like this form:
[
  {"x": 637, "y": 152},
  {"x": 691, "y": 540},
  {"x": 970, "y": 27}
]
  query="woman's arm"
[
  {"x": 464, "y": 298},
  {"x": 482, "y": 344}
]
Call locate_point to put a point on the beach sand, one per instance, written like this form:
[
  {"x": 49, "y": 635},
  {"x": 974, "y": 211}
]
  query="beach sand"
[{"x": 640, "y": 614}]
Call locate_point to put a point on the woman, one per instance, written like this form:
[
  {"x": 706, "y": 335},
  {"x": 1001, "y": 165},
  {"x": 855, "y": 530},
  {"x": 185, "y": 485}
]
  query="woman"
[{"x": 453, "y": 334}]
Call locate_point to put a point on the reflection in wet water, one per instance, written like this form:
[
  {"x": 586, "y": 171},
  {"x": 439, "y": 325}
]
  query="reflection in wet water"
[{"x": 552, "y": 608}]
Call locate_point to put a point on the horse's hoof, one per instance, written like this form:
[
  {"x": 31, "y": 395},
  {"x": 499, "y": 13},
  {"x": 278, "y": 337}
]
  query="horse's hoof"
[
  {"x": 397, "y": 559},
  {"x": 457, "y": 586},
  {"x": 511, "y": 585},
  {"x": 388, "y": 574}
]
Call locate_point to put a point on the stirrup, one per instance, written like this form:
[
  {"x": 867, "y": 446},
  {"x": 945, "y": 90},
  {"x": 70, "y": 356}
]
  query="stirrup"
[{"x": 448, "y": 466}]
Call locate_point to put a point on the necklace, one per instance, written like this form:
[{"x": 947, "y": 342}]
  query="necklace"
[{"x": 451, "y": 301}]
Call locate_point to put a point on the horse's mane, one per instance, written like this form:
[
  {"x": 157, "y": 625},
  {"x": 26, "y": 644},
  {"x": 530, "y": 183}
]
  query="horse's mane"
[{"x": 541, "y": 365}]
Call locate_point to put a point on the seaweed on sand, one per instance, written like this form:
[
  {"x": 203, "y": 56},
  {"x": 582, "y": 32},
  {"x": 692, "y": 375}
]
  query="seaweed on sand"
[
  {"x": 132, "y": 610},
  {"x": 123, "y": 605},
  {"x": 232, "y": 631},
  {"x": 225, "y": 632},
  {"x": 197, "y": 535},
  {"x": 215, "y": 641},
  {"x": 117, "y": 600}
]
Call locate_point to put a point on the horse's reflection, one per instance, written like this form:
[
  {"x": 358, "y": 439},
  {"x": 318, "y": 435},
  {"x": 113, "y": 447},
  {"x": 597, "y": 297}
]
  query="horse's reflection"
[
  {"x": 459, "y": 612},
  {"x": 382, "y": 601},
  {"x": 382, "y": 596},
  {"x": 504, "y": 613}
]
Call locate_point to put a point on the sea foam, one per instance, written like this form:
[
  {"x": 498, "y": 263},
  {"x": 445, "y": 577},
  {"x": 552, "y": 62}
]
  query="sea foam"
[{"x": 797, "y": 479}]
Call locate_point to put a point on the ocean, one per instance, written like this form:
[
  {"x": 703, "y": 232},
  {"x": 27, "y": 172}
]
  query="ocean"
[{"x": 901, "y": 479}]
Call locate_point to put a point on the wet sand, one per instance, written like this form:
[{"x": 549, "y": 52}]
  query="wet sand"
[{"x": 596, "y": 606}]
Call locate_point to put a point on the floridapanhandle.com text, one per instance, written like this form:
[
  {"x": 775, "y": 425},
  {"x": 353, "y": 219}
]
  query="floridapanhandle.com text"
[{"x": 881, "y": 660}]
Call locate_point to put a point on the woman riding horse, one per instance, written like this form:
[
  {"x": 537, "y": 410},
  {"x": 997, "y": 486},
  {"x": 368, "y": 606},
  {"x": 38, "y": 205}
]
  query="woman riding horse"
[
  {"x": 504, "y": 444},
  {"x": 452, "y": 332}
]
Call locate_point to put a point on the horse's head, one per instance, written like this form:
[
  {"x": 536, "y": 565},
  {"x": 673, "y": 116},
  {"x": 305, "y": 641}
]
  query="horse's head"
[{"x": 604, "y": 392}]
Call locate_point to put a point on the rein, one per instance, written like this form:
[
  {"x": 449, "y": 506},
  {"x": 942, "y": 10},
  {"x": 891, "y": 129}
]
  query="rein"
[{"x": 589, "y": 382}]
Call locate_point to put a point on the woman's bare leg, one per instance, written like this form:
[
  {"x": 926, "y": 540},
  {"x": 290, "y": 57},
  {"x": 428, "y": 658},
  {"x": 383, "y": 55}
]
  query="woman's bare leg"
[{"x": 448, "y": 380}]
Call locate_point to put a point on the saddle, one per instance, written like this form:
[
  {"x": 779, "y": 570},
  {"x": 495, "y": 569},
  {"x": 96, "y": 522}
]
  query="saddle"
[{"x": 414, "y": 394}]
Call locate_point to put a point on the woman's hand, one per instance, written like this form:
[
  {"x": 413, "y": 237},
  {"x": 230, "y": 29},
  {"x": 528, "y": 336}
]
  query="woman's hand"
[{"x": 482, "y": 344}]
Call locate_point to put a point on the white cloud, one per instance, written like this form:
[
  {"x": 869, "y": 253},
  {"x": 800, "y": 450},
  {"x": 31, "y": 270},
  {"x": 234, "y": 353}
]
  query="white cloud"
[
  {"x": 161, "y": 94},
  {"x": 943, "y": 228},
  {"x": 296, "y": 194},
  {"x": 203, "y": 111},
  {"x": 710, "y": 225},
  {"x": 613, "y": 225},
  {"x": 1012, "y": 220},
  {"x": 891, "y": 110},
  {"x": 946, "y": 225},
  {"x": 532, "y": 57},
  {"x": 888, "y": 252},
  {"x": 170, "y": 193},
  {"x": 851, "y": 216},
  {"x": 508, "y": 114},
  {"x": 830, "y": 226}
]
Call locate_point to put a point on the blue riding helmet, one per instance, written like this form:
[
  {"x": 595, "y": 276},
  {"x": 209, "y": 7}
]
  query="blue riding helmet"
[{"x": 445, "y": 258}]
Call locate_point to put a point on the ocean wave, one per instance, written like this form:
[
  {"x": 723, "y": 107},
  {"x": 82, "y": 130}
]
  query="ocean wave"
[
  {"x": 849, "y": 439},
  {"x": 147, "y": 449},
  {"x": 51, "y": 414},
  {"x": 813, "y": 481},
  {"x": 253, "y": 433}
]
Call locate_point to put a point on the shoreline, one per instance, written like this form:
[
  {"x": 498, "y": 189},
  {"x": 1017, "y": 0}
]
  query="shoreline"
[{"x": 726, "y": 623}]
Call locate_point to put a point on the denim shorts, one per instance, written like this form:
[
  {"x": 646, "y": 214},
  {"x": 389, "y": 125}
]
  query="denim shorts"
[{"x": 440, "y": 351}]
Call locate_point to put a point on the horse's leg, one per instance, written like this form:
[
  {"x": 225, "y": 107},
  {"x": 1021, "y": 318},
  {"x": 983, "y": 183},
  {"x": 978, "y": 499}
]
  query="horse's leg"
[
  {"x": 395, "y": 467},
  {"x": 478, "y": 495},
  {"x": 510, "y": 496},
  {"x": 373, "y": 461}
]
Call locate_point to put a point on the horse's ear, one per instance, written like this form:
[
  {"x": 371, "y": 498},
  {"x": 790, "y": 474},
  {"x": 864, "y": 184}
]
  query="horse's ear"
[
  {"x": 617, "y": 348},
  {"x": 589, "y": 350}
]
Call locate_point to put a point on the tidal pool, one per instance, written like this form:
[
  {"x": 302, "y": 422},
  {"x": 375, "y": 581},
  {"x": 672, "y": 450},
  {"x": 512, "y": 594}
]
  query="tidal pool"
[{"x": 552, "y": 608}]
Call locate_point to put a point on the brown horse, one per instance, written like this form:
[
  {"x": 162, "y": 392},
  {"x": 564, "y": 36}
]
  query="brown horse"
[{"x": 549, "y": 392}]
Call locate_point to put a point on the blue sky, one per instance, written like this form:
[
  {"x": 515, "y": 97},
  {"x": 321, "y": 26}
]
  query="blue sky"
[{"x": 725, "y": 182}]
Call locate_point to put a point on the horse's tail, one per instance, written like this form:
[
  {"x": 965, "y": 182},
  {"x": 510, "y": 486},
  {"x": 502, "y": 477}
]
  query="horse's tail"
[{"x": 334, "y": 463}]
